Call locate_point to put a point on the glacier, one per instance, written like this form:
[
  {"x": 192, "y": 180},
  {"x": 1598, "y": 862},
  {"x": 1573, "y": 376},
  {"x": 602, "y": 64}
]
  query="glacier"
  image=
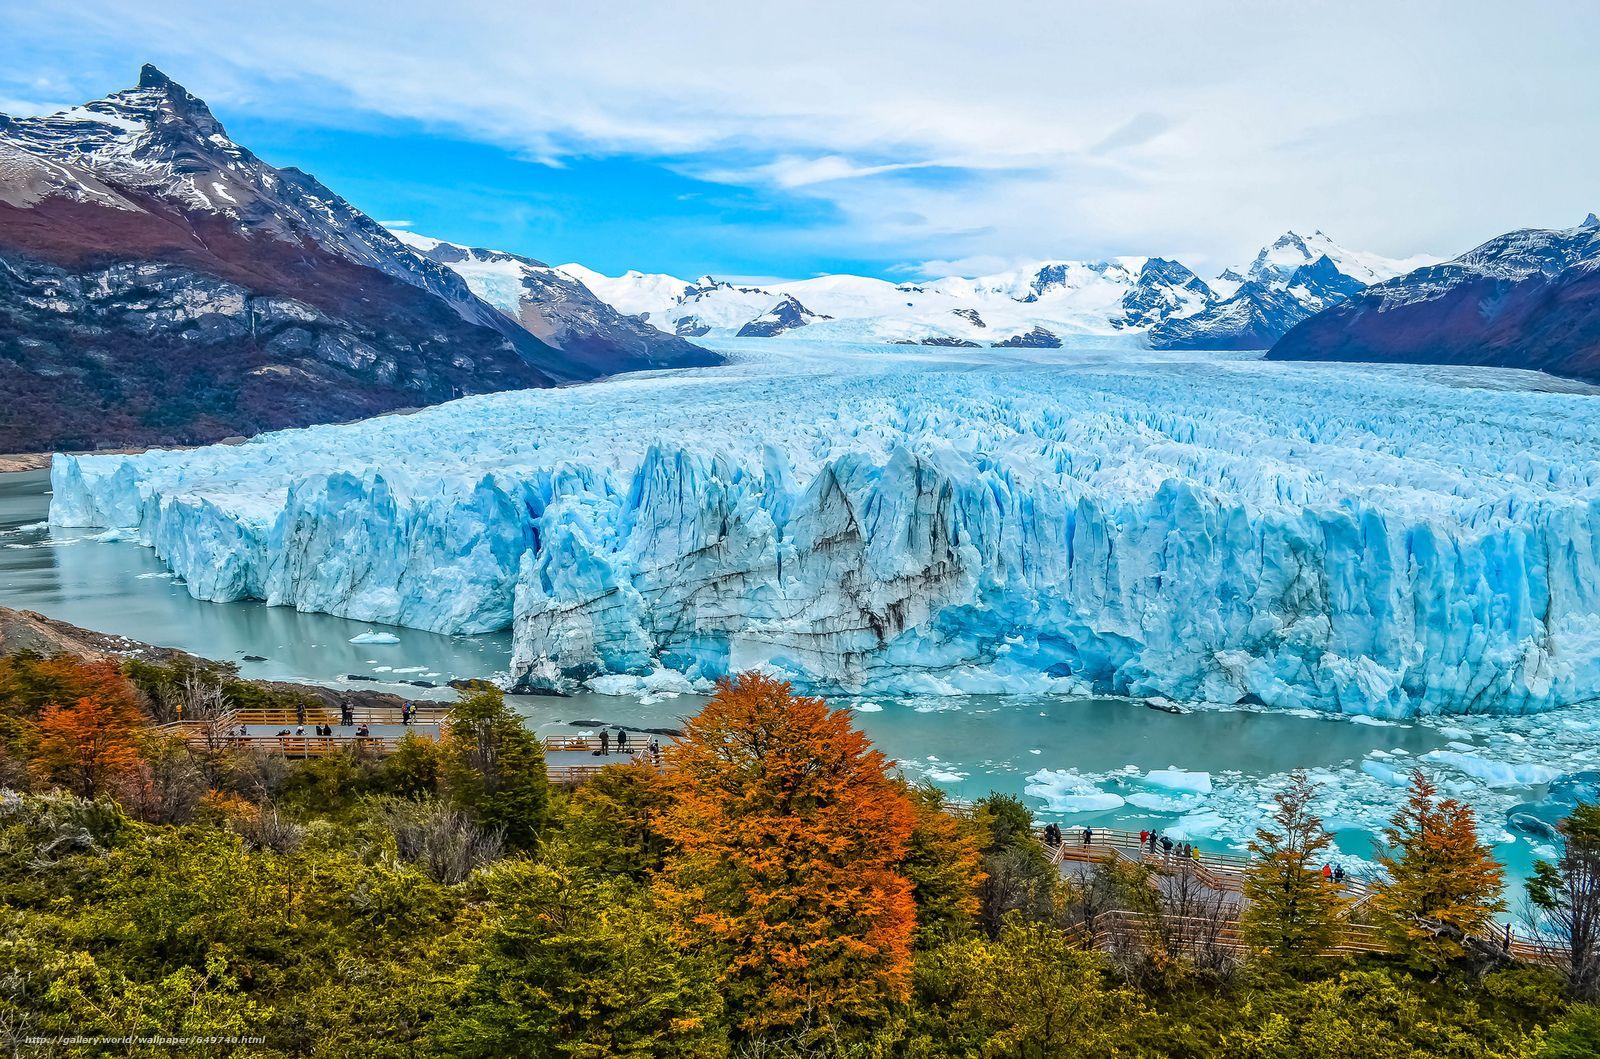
[{"x": 1378, "y": 541}]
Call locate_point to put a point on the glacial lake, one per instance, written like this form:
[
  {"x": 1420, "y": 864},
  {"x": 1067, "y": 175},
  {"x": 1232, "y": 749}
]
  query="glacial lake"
[{"x": 1052, "y": 750}]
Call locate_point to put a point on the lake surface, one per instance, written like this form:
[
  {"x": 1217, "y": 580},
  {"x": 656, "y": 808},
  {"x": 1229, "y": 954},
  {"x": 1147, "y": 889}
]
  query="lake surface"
[{"x": 1050, "y": 749}]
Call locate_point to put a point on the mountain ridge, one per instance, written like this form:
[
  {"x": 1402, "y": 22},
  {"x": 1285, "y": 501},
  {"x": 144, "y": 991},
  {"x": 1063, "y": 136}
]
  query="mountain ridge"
[
  {"x": 161, "y": 284},
  {"x": 1157, "y": 298},
  {"x": 1529, "y": 298}
]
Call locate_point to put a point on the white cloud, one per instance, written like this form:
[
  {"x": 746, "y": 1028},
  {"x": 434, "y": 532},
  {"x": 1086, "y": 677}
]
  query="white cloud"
[{"x": 1081, "y": 129}]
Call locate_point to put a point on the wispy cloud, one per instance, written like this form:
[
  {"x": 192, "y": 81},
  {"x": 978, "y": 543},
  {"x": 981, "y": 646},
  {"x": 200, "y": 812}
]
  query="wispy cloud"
[{"x": 950, "y": 133}]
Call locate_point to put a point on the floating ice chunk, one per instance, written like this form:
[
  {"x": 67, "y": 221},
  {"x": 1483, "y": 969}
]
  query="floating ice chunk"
[
  {"x": 1065, "y": 791},
  {"x": 1164, "y": 803},
  {"x": 868, "y": 707},
  {"x": 1203, "y": 824},
  {"x": 375, "y": 638},
  {"x": 1385, "y": 773},
  {"x": 658, "y": 683},
  {"x": 1494, "y": 773},
  {"x": 1176, "y": 779}
]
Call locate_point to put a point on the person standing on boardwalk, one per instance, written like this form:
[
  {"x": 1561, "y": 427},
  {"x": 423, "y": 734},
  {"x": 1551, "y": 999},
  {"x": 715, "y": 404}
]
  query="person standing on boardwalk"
[
  {"x": 622, "y": 741},
  {"x": 300, "y": 713},
  {"x": 1088, "y": 835},
  {"x": 605, "y": 742},
  {"x": 1166, "y": 847}
]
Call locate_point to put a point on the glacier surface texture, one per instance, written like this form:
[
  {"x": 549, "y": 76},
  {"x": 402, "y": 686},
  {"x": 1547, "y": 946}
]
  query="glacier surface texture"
[{"x": 889, "y": 520}]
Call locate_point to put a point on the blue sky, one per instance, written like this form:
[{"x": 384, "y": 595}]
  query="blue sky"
[{"x": 900, "y": 139}]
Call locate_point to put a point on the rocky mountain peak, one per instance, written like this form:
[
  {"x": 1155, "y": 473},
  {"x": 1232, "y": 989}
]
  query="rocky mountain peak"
[
  {"x": 151, "y": 77},
  {"x": 1590, "y": 221}
]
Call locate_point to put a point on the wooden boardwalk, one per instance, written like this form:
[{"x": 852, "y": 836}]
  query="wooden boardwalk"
[{"x": 568, "y": 759}]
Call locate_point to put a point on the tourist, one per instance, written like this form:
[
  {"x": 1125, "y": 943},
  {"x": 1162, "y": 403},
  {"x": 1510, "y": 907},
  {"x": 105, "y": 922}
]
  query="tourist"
[
  {"x": 1088, "y": 835},
  {"x": 1166, "y": 846},
  {"x": 605, "y": 742},
  {"x": 655, "y": 752},
  {"x": 1327, "y": 872},
  {"x": 1144, "y": 838},
  {"x": 346, "y": 715},
  {"x": 1338, "y": 874},
  {"x": 622, "y": 741},
  {"x": 299, "y": 729},
  {"x": 300, "y": 714},
  {"x": 363, "y": 732},
  {"x": 405, "y": 714}
]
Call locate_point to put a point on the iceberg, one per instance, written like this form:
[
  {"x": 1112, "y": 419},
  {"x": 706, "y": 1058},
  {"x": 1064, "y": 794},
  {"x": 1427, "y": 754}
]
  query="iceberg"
[
  {"x": 1491, "y": 772},
  {"x": 375, "y": 638},
  {"x": 897, "y": 521},
  {"x": 1065, "y": 791},
  {"x": 1176, "y": 780}
]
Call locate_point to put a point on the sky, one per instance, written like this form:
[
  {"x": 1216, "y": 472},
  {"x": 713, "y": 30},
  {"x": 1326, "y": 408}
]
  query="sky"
[{"x": 905, "y": 140}]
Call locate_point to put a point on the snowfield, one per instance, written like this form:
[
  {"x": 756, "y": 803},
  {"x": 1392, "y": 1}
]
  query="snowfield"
[{"x": 901, "y": 520}]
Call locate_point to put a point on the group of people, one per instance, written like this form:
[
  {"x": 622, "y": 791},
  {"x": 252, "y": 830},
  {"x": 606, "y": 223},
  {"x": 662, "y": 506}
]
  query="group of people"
[
  {"x": 1154, "y": 840},
  {"x": 1334, "y": 873},
  {"x": 362, "y": 731},
  {"x": 623, "y": 746}
]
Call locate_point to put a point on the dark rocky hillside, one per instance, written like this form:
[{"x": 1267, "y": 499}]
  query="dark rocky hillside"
[{"x": 1527, "y": 299}]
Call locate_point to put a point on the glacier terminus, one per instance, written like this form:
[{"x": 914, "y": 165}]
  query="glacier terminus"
[{"x": 1388, "y": 541}]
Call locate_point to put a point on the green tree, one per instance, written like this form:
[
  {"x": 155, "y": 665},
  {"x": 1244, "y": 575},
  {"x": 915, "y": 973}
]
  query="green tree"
[
  {"x": 945, "y": 865},
  {"x": 1026, "y": 994},
  {"x": 1018, "y": 877},
  {"x": 612, "y": 822},
  {"x": 568, "y": 965},
  {"x": 1291, "y": 913},
  {"x": 493, "y": 767},
  {"x": 1444, "y": 885},
  {"x": 1566, "y": 894}
]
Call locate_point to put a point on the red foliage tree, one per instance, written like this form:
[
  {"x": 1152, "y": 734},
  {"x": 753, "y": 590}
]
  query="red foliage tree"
[
  {"x": 787, "y": 836},
  {"x": 87, "y": 747}
]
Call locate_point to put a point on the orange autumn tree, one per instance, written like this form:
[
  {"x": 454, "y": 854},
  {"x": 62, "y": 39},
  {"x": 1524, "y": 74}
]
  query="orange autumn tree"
[
  {"x": 787, "y": 835},
  {"x": 88, "y": 746},
  {"x": 1444, "y": 884}
]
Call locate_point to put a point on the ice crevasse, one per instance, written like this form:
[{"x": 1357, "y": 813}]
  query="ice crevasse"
[{"x": 1382, "y": 542}]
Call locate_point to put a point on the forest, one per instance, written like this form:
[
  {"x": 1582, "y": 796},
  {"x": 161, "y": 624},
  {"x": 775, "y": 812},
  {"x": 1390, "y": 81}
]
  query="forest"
[{"x": 774, "y": 889}]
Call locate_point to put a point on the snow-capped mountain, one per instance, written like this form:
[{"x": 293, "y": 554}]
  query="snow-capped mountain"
[
  {"x": 1294, "y": 278},
  {"x": 1036, "y": 305},
  {"x": 160, "y": 283},
  {"x": 560, "y": 311},
  {"x": 787, "y": 315},
  {"x": 1292, "y": 251},
  {"x": 1526, "y": 299}
]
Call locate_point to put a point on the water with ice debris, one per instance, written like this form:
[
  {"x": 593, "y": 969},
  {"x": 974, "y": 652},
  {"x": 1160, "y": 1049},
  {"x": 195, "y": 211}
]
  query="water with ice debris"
[{"x": 889, "y": 521}]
